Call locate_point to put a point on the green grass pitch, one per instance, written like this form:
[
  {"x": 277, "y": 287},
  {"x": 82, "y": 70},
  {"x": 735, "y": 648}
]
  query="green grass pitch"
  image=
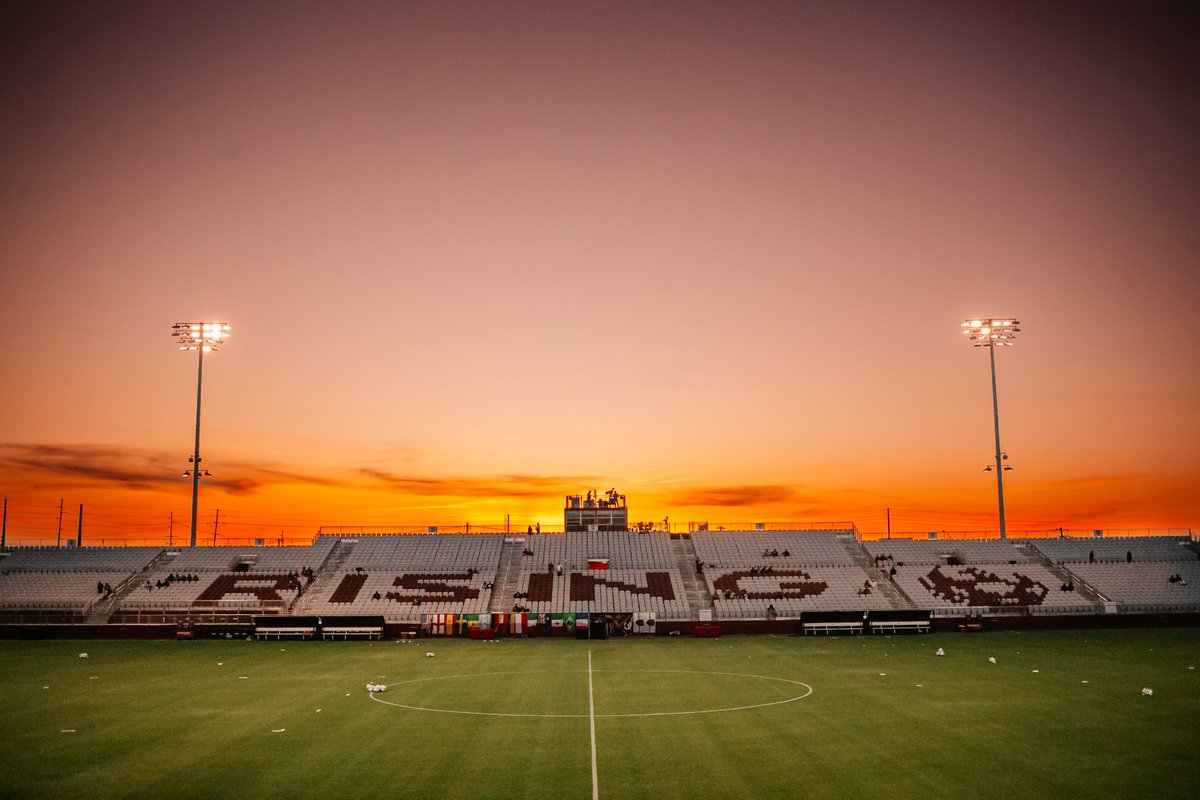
[{"x": 1059, "y": 714}]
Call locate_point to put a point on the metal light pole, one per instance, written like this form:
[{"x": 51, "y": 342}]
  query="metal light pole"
[
  {"x": 201, "y": 337},
  {"x": 993, "y": 333}
]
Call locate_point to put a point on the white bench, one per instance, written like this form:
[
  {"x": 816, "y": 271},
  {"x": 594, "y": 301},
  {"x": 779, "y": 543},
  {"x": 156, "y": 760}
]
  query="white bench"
[
  {"x": 264, "y": 632},
  {"x": 898, "y": 626},
  {"x": 854, "y": 626},
  {"x": 348, "y": 631}
]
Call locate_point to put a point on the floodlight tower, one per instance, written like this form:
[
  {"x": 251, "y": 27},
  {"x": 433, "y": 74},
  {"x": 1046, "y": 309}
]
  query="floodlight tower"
[
  {"x": 202, "y": 337},
  {"x": 993, "y": 333}
]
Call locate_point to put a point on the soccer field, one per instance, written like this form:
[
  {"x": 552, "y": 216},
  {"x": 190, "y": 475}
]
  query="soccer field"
[{"x": 1059, "y": 714}]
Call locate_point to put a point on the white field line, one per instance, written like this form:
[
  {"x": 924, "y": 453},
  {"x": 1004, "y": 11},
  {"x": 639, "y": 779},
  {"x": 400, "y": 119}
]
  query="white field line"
[{"x": 592, "y": 725}]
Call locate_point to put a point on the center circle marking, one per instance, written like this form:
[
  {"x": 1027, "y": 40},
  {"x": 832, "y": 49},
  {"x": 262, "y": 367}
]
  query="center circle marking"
[{"x": 808, "y": 690}]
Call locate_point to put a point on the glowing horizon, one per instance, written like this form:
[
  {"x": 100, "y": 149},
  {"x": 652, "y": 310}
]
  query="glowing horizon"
[{"x": 479, "y": 258}]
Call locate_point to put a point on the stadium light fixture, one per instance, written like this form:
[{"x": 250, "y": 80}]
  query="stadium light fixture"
[
  {"x": 993, "y": 333},
  {"x": 203, "y": 337}
]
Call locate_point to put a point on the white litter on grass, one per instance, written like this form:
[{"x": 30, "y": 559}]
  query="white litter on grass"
[
  {"x": 920, "y": 686},
  {"x": 940, "y": 652},
  {"x": 1035, "y": 671},
  {"x": 278, "y": 730},
  {"x": 1147, "y": 691},
  {"x": 45, "y": 687},
  {"x": 991, "y": 659},
  {"x": 1083, "y": 681},
  {"x": 93, "y": 677},
  {"x": 220, "y": 663},
  {"x": 429, "y": 655},
  {"x": 243, "y": 677},
  {"x": 83, "y": 655},
  {"x": 882, "y": 674},
  {"x": 318, "y": 711},
  {"x": 67, "y": 730}
]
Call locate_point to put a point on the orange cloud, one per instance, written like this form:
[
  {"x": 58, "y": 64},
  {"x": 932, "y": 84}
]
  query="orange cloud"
[
  {"x": 736, "y": 496},
  {"x": 520, "y": 486}
]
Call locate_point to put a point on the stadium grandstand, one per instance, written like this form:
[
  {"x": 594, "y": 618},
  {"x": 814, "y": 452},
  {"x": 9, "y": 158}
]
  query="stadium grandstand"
[{"x": 597, "y": 578}]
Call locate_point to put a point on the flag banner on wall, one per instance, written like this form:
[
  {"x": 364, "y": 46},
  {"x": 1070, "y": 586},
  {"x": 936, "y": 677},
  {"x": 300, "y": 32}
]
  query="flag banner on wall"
[{"x": 438, "y": 624}]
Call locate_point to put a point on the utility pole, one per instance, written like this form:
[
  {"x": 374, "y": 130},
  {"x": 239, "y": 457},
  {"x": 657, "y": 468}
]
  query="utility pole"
[
  {"x": 171, "y": 529},
  {"x": 58, "y": 540},
  {"x": 79, "y": 530},
  {"x": 216, "y": 522},
  {"x": 889, "y": 523},
  {"x": 4, "y": 525}
]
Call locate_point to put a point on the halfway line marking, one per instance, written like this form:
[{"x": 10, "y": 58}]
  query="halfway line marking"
[{"x": 592, "y": 725}]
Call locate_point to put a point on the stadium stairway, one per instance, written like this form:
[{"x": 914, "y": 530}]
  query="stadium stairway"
[
  {"x": 507, "y": 571},
  {"x": 698, "y": 598},
  {"x": 1082, "y": 587},
  {"x": 883, "y": 581},
  {"x": 102, "y": 612},
  {"x": 331, "y": 566}
]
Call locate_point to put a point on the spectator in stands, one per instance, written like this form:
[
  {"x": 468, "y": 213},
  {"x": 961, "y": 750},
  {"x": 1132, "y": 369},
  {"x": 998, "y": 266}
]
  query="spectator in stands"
[
  {"x": 1128, "y": 556},
  {"x": 1092, "y": 556},
  {"x": 529, "y": 531},
  {"x": 786, "y": 554},
  {"x": 771, "y": 611},
  {"x": 560, "y": 568},
  {"x": 99, "y": 587},
  {"x": 375, "y": 596}
]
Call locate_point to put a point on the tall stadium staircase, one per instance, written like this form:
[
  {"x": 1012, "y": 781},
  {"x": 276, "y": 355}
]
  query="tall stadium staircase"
[
  {"x": 685, "y": 563},
  {"x": 507, "y": 571},
  {"x": 883, "y": 581},
  {"x": 341, "y": 550},
  {"x": 102, "y": 612}
]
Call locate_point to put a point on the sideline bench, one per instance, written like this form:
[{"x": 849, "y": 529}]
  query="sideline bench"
[
  {"x": 852, "y": 627},
  {"x": 352, "y": 631},
  {"x": 901, "y": 626},
  {"x": 279, "y": 632}
]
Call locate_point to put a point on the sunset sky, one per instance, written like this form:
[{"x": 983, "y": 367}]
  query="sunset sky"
[{"x": 478, "y": 256}]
